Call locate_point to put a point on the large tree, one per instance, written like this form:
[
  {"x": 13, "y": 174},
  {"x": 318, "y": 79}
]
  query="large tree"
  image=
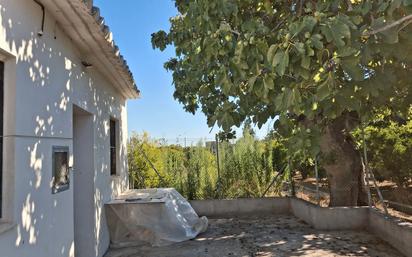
[{"x": 321, "y": 68}]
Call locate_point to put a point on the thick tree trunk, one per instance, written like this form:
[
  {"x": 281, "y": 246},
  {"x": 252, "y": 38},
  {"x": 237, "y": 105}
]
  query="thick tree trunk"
[{"x": 342, "y": 164}]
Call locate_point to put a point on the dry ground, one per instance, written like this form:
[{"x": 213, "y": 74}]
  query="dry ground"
[{"x": 271, "y": 236}]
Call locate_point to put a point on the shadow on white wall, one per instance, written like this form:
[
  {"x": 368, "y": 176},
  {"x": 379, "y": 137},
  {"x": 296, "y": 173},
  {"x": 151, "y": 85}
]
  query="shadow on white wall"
[{"x": 49, "y": 82}]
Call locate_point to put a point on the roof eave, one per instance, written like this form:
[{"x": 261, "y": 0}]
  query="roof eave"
[{"x": 82, "y": 22}]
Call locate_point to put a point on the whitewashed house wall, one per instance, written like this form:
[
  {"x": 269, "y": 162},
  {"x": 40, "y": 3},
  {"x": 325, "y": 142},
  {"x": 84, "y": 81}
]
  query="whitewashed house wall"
[{"x": 44, "y": 78}]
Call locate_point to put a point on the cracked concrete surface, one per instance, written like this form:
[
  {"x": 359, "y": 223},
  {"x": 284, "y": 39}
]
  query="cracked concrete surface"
[{"x": 268, "y": 236}]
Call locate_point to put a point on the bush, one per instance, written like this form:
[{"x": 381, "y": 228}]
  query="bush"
[
  {"x": 247, "y": 167},
  {"x": 390, "y": 151}
]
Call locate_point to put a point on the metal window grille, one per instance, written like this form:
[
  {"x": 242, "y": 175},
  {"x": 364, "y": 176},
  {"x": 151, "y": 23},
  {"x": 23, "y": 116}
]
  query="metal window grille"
[
  {"x": 113, "y": 148},
  {"x": 61, "y": 181}
]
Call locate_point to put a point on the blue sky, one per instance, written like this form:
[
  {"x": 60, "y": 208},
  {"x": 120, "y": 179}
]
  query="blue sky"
[{"x": 132, "y": 23}]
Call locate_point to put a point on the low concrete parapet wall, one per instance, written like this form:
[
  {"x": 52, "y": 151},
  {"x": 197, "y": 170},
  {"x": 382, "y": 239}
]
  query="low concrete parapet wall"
[
  {"x": 395, "y": 232},
  {"x": 241, "y": 207},
  {"x": 330, "y": 218}
]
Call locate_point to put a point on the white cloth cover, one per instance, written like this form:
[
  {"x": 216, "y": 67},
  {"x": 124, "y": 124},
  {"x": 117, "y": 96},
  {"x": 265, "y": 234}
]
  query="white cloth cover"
[{"x": 156, "y": 216}]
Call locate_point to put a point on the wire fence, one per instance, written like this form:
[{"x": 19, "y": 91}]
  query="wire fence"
[{"x": 185, "y": 141}]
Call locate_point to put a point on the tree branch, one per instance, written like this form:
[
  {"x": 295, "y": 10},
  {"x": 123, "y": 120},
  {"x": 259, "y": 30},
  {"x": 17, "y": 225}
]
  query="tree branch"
[
  {"x": 280, "y": 23},
  {"x": 389, "y": 26},
  {"x": 404, "y": 25},
  {"x": 300, "y": 8},
  {"x": 235, "y": 32},
  {"x": 350, "y": 7}
]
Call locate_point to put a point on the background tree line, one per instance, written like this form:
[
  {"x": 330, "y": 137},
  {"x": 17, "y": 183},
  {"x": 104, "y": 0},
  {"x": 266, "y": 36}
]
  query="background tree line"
[{"x": 248, "y": 165}]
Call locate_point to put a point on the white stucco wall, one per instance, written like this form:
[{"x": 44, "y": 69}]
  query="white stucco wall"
[{"x": 44, "y": 78}]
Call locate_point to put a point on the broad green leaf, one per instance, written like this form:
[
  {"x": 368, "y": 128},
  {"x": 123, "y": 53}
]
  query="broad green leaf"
[
  {"x": 305, "y": 63},
  {"x": 317, "y": 41},
  {"x": 226, "y": 85},
  {"x": 324, "y": 90},
  {"x": 251, "y": 82},
  {"x": 339, "y": 32},
  {"x": 271, "y": 53},
  {"x": 327, "y": 32},
  {"x": 357, "y": 19},
  {"x": 259, "y": 88},
  {"x": 268, "y": 83},
  {"x": 239, "y": 51},
  {"x": 309, "y": 23},
  {"x": 283, "y": 63},
  {"x": 227, "y": 121},
  {"x": 300, "y": 47},
  {"x": 309, "y": 51},
  {"x": 278, "y": 57}
]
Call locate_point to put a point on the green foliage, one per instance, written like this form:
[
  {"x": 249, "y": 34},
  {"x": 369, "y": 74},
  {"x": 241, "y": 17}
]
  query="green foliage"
[
  {"x": 190, "y": 170},
  {"x": 278, "y": 150},
  {"x": 201, "y": 173},
  {"x": 247, "y": 166},
  {"x": 389, "y": 145},
  {"x": 141, "y": 172},
  {"x": 261, "y": 59},
  {"x": 173, "y": 158}
]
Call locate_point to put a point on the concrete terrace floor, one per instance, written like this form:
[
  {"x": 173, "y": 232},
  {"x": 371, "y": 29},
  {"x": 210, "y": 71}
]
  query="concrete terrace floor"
[{"x": 268, "y": 236}]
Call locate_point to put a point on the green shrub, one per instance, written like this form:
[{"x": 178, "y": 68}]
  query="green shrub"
[{"x": 390, "y": 150}]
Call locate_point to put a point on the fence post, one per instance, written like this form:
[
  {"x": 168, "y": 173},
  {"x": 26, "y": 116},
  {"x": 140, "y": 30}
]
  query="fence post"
[
  {"x": 317, "y": 181},
  {"x": 217, "y": 164},
  {"x": 292, "y": 183},
  {"x": 370, "y": 172}
]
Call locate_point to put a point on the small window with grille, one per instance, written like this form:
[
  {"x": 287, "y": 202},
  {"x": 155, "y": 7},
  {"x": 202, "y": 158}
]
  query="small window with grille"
[
  {"x": 60, "y": 166},
  {"x": 113, "y": 147}
]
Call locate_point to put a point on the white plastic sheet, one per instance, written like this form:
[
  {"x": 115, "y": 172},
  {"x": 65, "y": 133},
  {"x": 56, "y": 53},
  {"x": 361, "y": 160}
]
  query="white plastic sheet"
[{"x": 155, "y": 216}]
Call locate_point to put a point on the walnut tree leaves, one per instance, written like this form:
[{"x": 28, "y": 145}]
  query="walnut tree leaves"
[{"x": 263, "y": 59}]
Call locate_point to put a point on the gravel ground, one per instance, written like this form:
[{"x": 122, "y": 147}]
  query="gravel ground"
[{"x": 274, "y": 236}]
